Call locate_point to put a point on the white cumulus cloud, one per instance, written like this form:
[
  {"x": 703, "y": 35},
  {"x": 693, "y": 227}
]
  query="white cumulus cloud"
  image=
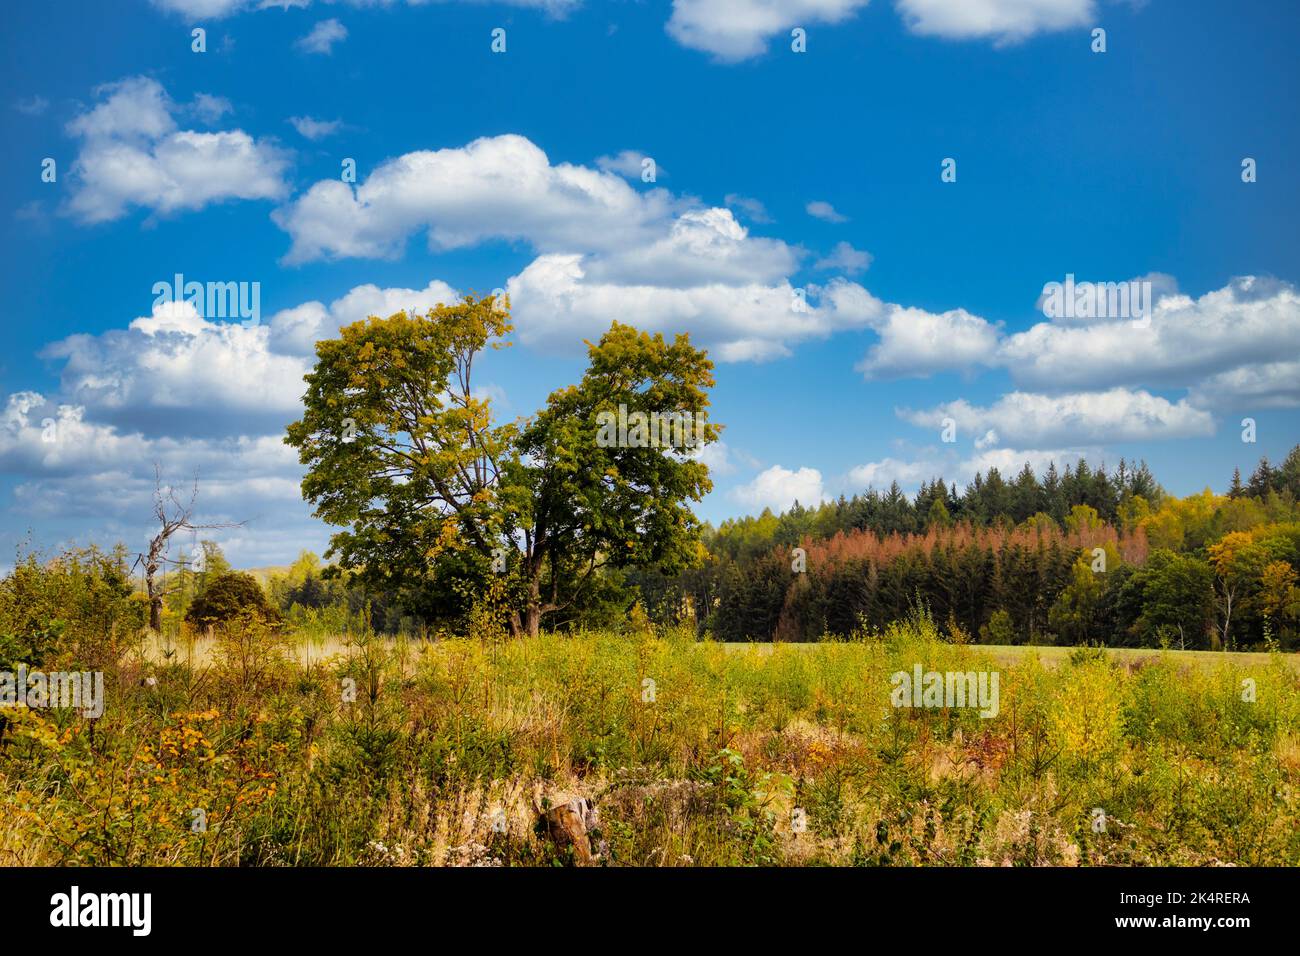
[
  {"x": 501, "y": 187},
  {"x": 1114, "y": 415},
  {"x": 734, "y": 30},
  {"x": 1006, "y": 21},
  {"x": 133, "y": 154},
  {"x": 917, "y": 343},
  {"x": 881, "y": 474},
  {"x": 606, "y": 250},
  {"x": 778, "y": 488},
  {"x": 1228, "y": 335}
]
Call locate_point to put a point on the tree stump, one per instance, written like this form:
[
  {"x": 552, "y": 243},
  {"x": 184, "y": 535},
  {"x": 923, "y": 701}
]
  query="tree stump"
[{"x": 569, "y": 821}]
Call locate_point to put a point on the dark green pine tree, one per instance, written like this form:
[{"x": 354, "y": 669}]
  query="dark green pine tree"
[
  {"x": 953, "y": 501},
  {"x": 1263, "y": 480},
  {"x": 898, "y": 512},
  {"x": 997, "y": 496},
  {"x": 972, "y": 502},
  {"x": 922, "y": 504},
  {"x": 1237, "y": 489},
  {"x": 1101, "y": 494},
  {"x": 1144, "y": 485},
  {"x": 1054, "y": 494},
  {"x": 1079, "y": 489},
  {"x": 1288, "y": 476},
  {"x": 1026, "y": 495}
]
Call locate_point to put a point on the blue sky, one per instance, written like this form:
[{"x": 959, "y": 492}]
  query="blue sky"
[{"x": 777, "y": 171}]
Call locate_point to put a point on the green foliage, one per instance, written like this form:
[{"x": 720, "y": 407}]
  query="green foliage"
[
  {"x": 78, "y": 607},
  {"x": 230, "y": 597},
  {"x": 999, "y": 630},
  {"x": 191, "y": 578},
  {"x": 1176, "y": 598},
  {"x": 436, "y": 498},
  {"x": 403, "y": 454},
  {"x": 1077, "y": 614}
]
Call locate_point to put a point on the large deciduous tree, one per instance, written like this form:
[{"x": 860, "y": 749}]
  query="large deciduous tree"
[{"x": 436, "y": 497}]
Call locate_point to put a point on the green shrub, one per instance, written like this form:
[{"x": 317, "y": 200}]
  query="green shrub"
[
  {"x": 78, "y": 606},
  {"x": 228, "y": 597}
]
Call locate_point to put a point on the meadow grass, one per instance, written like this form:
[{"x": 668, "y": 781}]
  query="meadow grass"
[
  {"x": 305, "y": 650},
  {"x": 1052, "y": 656},
  {"x": 257, "y": 749}
]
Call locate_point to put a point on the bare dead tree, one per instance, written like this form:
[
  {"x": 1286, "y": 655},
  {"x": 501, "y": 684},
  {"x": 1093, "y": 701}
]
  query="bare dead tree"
[{"x": 173, "y": 514}]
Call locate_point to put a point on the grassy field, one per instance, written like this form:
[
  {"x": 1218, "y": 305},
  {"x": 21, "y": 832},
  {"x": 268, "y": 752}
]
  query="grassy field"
[
  {"x": 1053, "y": 656},
  {"x": 306, "y": 650},
  {"x": 377, "y": 752}
]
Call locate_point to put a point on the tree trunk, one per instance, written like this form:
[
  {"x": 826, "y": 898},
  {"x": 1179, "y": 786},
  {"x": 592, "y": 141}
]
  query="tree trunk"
[
  {"x": 154, "y": 592},
  {"x": 533, "y": 610},
  {"x": 1227, "y": 614},
  {"x": 569, "y": 822},
  {"x": 151, "y": 583}
]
